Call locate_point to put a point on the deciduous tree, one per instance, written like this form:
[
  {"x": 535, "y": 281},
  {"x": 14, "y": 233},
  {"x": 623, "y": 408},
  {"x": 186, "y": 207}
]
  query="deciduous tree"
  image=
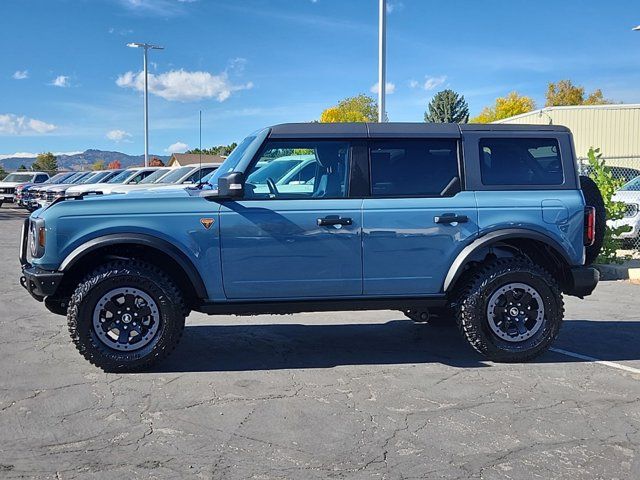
[
  {"x": 361, "y": 108},
  {"x": 447, "y": 107},
  {"x": 156, "y": 162},
  {"x": 114, "y": 165},
  {"x": 222, "y": 150},
  {"x": 46, "y": 162},
  {"x": 98, "y": 165},
  {"x": 512, "y": 104},
  {"x": 565, "y": 92}
]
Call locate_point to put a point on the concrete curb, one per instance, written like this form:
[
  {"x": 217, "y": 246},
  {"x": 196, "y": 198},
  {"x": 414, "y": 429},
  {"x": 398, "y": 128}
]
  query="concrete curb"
[{"x": 619, "y": 272}]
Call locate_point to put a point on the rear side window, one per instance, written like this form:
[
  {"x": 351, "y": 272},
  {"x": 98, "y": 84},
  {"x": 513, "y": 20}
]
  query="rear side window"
[
  {"x": 520, "y": 161},
  {"x": 402, "y": 168}
]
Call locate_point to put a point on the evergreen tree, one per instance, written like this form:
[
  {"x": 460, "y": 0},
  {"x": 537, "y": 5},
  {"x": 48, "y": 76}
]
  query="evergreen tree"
[{"x": 447, "y": 107}]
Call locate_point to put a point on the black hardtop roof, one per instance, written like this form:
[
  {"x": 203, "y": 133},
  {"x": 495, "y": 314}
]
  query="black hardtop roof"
[{"x": 399, "y": 129}]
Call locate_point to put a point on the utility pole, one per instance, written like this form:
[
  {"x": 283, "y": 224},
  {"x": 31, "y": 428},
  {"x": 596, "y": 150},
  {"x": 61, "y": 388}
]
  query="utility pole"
[
  {"x": 146, "y": 47},
  {"x": 382, "y": 60}
]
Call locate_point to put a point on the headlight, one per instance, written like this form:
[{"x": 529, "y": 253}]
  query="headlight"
[{"x": 37, "y": 237}]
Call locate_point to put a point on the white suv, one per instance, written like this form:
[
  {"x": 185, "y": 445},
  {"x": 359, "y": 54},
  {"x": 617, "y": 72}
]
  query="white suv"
[{"x": 11, "y": 181}]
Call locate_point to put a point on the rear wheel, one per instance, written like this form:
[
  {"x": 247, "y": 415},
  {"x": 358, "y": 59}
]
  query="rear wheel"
[
  {"x": 593, "y": 198},
  {"x": 510, "y": 310},
  {"x": 125, "y": 316}
]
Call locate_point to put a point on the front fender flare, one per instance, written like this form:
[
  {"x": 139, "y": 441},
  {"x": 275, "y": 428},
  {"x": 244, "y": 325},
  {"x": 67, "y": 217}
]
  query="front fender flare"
[
  {"x": 139, "y": 239},
  {"x": 457, "y": 266}
]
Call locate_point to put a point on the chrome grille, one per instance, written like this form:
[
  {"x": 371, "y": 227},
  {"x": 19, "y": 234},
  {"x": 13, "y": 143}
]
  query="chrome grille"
[
  {"x": 9, "y": 190},
  {"x": 50, "y": 196}
]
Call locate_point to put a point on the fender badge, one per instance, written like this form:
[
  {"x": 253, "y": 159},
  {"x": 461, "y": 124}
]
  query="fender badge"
[{"x": 207, "y": 222}]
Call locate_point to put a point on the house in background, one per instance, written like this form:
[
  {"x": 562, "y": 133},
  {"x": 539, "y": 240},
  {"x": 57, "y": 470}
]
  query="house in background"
[{"x": 184, "y": 159}]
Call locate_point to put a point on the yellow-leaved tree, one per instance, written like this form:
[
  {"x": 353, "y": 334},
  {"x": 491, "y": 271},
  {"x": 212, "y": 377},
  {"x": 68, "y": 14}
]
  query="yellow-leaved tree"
[
  {"x": 361, "y": 108},
  {"x": 565, "y": 92},
  {"x": 512, "y": 104}
]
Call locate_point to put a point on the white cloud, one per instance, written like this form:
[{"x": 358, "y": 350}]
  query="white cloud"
[
  {"x": 60, "y": 81},
  {"x": 156, "y": 7},
  {"x": 177, "y": 147},
  {"x": 18, "y": 155},
  {"x": 394, "y": 6},
  {"x": 120, "y": 31},
  {"x": 389, "y": 88},
  {"x": 118, "y": 135},
  {"x": 11, "y": 124},
  {"x": 21, "y": 74},
  {"x": 429, "y": 82},
  {"x": 183, "y": 86},
  {"x": 33, "y": 155}
]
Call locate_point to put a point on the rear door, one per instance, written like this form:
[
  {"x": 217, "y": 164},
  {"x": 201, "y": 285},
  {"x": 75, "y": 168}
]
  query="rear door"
[
  {"x": 284, "y": 243},
  {"x": 418, "y": 216}
]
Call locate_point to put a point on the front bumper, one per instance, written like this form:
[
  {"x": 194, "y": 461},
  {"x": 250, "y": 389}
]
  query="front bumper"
[
  {"x": 7, "y": 197},
  {"x": 582, "y": 281},
  {"x": 40, "y": 283}
]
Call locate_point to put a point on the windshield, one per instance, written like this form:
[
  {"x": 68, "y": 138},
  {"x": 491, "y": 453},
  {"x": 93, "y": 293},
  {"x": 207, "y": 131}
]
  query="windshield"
[
  {"x": 633, "y": 185},
  {"x": 122, "y": 176},
  {"x": 81, "y": 176},
  {"x": 18, "y": 177},
  {"x": 242, "y": 154},
  {"x": 93, "y": 178},
  {"x": 177, "y": 174},
  {"x": 157, "y": 175},
  {"x": 59, "y": 177}
]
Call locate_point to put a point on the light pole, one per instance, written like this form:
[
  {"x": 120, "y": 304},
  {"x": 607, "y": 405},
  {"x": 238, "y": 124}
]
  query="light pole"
[
  {"x": 145, "y": 46},
  {"x": 382, "y": 59}
]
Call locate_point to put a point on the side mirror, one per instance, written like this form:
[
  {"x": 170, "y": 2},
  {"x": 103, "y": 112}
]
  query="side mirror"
[{"x": 231, "y": 185}]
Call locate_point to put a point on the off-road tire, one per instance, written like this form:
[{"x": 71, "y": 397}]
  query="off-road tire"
[
  {"x": 473, "y": 298},
  {"x": 118, "y": 274},
  {"x": 593, "y": 198}
]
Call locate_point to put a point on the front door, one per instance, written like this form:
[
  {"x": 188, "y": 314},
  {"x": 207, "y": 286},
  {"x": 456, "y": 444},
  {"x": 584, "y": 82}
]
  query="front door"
[
  {"x": 294, "y": 236},
  {"x": 417, "y": 218}
]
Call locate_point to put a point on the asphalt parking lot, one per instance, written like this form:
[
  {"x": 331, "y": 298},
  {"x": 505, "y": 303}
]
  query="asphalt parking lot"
[{"x": 328, "y": 395}]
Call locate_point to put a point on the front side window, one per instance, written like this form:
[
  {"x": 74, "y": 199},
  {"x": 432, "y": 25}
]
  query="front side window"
[
  {"x": 122, "y": 176},
  {"x": 414, "y": 167},
  {"x": 141, "y": 176},
  {"x": 156, "y": 176},
  {"x": 300, "y": 169},
  {"x": 199, "y": 174},
  {"x": 520, "y": 161},
  {"x": 177, "y": 174}
]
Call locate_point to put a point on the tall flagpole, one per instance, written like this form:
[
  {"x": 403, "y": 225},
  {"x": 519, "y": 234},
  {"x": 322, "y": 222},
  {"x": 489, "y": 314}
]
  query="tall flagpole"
[{"x": 382, "y": 60}]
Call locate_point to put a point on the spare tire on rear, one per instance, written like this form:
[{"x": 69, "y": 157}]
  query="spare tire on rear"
[{"x": 593, "y": 198}]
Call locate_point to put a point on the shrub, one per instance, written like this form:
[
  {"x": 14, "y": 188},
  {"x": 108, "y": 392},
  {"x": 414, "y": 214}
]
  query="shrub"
[{"x": 608, "y": 185}]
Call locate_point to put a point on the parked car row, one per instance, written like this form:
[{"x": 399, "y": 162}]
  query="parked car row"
[{"x": 33, "y": 190}]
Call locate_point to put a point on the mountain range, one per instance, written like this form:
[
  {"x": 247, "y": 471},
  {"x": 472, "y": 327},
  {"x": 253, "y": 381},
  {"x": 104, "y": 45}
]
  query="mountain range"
[{"x": 82, "y": 161}]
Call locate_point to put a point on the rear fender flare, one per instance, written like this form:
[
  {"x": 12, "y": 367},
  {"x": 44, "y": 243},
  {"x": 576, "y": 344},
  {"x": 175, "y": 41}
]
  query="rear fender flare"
[{"x": 457, "y": 267}]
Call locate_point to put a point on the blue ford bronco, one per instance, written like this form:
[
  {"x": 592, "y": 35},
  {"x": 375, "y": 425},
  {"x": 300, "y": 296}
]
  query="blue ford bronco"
[{"x": 487, "y": 224}]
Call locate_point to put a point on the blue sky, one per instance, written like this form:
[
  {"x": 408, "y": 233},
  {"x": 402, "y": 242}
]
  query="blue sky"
[{"x": 68, "y": 82}]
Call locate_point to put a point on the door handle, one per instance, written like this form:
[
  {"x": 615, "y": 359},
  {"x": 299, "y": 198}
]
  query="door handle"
[
  {"x": 451, "y": 218},
  {"x": 328, "y": 221}
]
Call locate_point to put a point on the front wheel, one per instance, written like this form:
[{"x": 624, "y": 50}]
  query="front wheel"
[
  {"x": 511, "y": 310},
  {"x": 125, "y": 316}
]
